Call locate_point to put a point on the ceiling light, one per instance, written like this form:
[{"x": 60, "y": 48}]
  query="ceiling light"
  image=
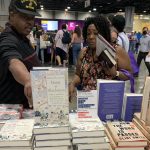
[
  {"x": 108, "y": 3},
  {"x": 68, "y": 7},
  {"x": 42, "y": 8},
  {"x": 120, "y": 9},
  {"x": 89, "y": 10},
  {"x": 100, "y": 6},
  {"x": 94, "y": 9},
  {"x": 144, "y": 11}
]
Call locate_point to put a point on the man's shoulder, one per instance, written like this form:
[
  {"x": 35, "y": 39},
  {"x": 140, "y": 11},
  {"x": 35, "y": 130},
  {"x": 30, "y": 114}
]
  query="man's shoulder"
[{"x": 10, "y": 36}]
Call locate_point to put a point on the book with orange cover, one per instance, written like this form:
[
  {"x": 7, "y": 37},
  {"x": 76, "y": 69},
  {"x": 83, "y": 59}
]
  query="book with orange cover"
[
  {"x": 126, "y": 134},
  {"x": 113, "y": 145}
]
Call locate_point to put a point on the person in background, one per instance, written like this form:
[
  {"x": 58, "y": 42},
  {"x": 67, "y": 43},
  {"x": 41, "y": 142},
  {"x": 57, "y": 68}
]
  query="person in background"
[
  {"x": 138, "y": 35},
  {"x": 118, "y": 22},
  {"x": 61, "y": 48},
  {"x": 76, "y": 43},
  {"x": 1, "y": 29},
  {"x": 133, "y": 41},
  {"x": 17, "y": 56},
  {"x": 91, "y": 67},
  {"x": 144, "y": 49},
  {"x": 114, "y": 35},
  {"x": 38, "y": 33}
]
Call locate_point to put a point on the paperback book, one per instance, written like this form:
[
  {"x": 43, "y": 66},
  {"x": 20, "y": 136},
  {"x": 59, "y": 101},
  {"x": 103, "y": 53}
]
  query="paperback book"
[
  {"x": 85, "y": 128},
  {"x": 17, "y": 133},
  {"x": 50, "y": 96},
  {"x": 10, "y": 111},
  {"x": 113, "y": 145},
  {"x": 110, "y": 99},
  {"x": 105, "y": 51},
  {"x": 87, "y": 105},
  {"x": 141, "y": 122},
  {"x": 126, "y": 134},
  {"x": 131, "y": 104}
]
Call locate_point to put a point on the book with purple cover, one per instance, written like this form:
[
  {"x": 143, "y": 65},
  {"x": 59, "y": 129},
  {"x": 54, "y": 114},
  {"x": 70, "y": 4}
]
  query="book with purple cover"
[
  {"x": 131, "y": 104},
  {"x": 110, "y": 99}
]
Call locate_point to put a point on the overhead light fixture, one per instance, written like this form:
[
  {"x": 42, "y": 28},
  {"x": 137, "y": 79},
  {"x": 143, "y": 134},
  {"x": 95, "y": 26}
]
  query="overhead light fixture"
[
  {"x": 108, "y": 3},
  {"x": 42, "y": 8},
  {"x": 89, "y": 10},
  {"x": 144, "y": 11},
  {"x": 68, "y": 7},
  {"x": 120, "y": 9},
  {"x": 94, "y": 9}
]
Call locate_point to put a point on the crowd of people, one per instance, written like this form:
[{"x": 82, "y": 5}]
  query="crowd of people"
[{"x": 22, "y": 44}]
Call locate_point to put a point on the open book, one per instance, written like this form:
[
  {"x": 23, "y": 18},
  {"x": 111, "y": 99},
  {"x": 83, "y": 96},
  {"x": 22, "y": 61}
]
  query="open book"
[{"x": 106, "y": 51}]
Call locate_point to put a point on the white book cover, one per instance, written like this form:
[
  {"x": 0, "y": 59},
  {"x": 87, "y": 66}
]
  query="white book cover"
[
  {"x": 50, "y": 96},
  {"x": 87, "y": 105},
  {"x": 86, "y": 127},
  {"x": 17, "y": 133}
]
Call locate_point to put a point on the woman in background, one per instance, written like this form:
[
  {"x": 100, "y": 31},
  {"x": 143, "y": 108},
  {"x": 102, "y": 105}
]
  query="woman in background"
[
  {"x": 91, "y": 67},
  {"x": 76, "y": 43}
]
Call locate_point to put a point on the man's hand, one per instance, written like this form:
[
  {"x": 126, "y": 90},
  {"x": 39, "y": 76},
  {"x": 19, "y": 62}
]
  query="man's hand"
[{"x": 28, "y": 93}]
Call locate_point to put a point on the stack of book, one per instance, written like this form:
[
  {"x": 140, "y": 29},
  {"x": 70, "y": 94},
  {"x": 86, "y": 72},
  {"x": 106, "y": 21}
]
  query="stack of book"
[
  {"x": 51, "y": 106},
  {"x": 131, "y": 104},
  {"x": 52, "y": 137},
  {"x": 125, "y": 136},
  {"x": 145, "y": 129},
  {"x": 17, "y": 135},
  {"x": 88, "y": 135}
]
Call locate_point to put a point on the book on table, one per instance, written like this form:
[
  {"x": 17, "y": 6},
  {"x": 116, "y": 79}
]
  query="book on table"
[
  {"x": 17, "y": 133},
  {"x": 141, "y": 122},
  {"x": 85, "y": 128},
  {"x": 132, "y": 103},
  {"x": 55, "y": 136},
  {"x": 113, "y": 145},
  {"x": 50, "y": 96},
  {"x": 53, "y": 148},
  {"x": 126, "y": 134},
  {"x": 110, "y": 99},
  {"x": 141, "y": 128},
  {"x": 87, "y": 105}
]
